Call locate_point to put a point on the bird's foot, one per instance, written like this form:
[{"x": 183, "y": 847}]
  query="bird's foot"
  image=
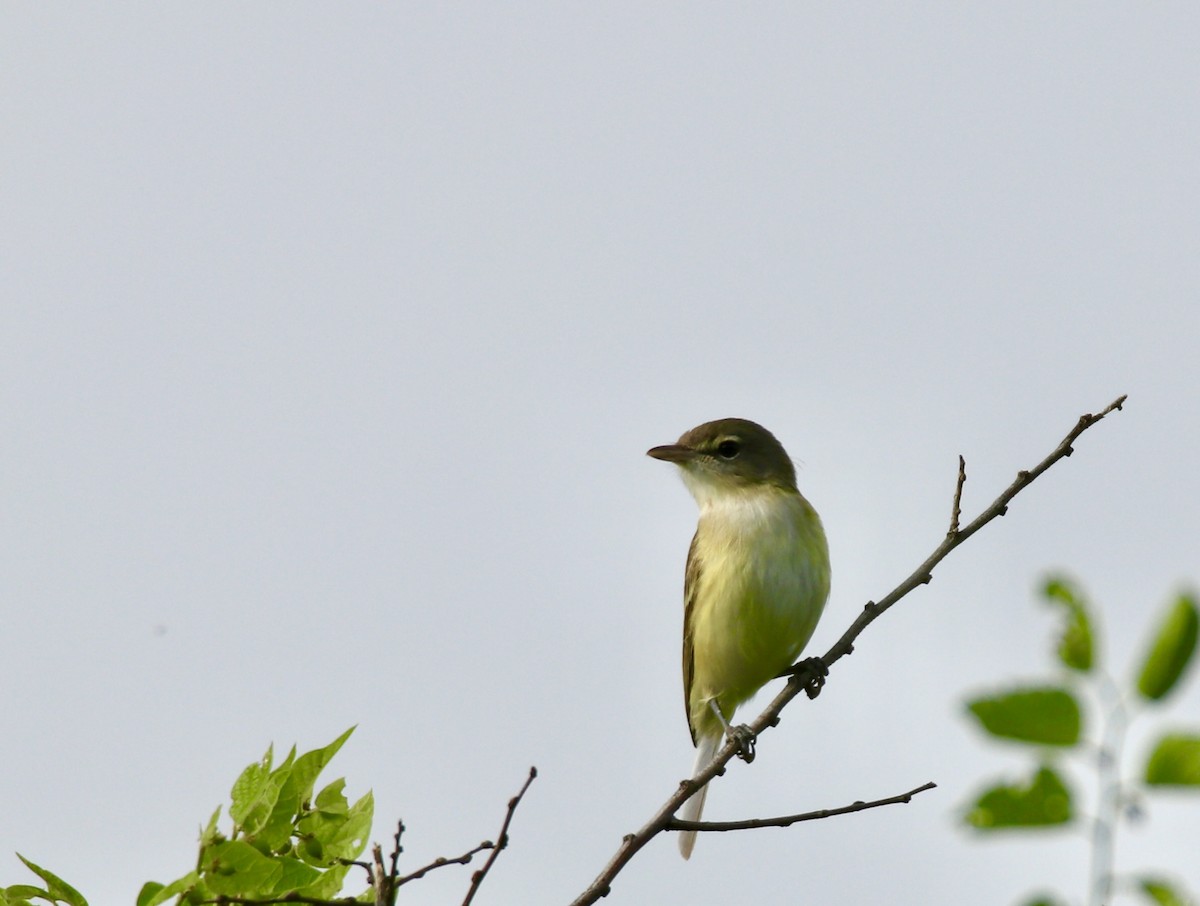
[
  {"x": 741, "y": 737},
  {"x": 817, "y": 670}
]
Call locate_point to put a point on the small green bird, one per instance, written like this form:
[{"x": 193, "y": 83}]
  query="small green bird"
[{"x": 756, "y": 581}]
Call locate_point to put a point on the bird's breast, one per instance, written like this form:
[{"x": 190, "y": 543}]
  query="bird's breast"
[{"x": 763, "y": 581}]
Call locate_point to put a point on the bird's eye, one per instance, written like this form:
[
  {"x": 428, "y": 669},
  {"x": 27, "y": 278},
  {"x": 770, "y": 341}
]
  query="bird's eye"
[{"x": 728, "y": 449}]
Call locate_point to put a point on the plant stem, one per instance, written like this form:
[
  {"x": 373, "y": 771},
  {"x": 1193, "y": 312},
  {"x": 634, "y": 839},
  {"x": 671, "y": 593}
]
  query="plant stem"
[{"x": 1108, "y": 762}]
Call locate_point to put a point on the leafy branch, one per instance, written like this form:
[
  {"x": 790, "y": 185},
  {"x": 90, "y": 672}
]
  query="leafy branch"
[
  {"x": 1051, "y": 716},
  {"x": 808, "y": 675},
  {"x": 286, "y": 845}
]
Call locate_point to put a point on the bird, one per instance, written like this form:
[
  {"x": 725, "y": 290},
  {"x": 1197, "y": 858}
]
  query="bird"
[{"x": 756, "y": 581}]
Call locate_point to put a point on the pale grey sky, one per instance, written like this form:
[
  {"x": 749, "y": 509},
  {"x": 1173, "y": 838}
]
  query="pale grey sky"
[{"x": 333, "y": 337}]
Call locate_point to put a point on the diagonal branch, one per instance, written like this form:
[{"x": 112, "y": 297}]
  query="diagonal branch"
[
  {"x": 788, "y": 820},
  {"x": 924, "y": 573},
  {"x": 442, "y": 861},
  {"x": 809, "y": 675},
  {"x": 501, "y": 841}
]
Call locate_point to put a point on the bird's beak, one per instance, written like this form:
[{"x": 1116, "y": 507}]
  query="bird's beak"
[{"x": 676, "y": 453}]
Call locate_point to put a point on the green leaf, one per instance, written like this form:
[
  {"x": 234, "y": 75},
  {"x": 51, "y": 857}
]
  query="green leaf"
[
  {"x": 348, "y": 839},
  {"x": 1043, "y": 899},
  {"x": 352, "y": 839},
  {"x": 256, "y": 794},
  {"x": 148, "y": 893},
  {"x": 1172, "y": 649},
  {"x": 249, "y": 788},
  {"x": 1161, "y": 892},
  {"x": 326, "y": 887},
  {"x": 211, "y": 834},
  {"x": 1075, "y": 647},
  {"x": 310, "y": 764},
  {"x": 153, "y": 893},
  {"x": 198, "y": 894},
  {"x": 21, "y": 893},
  {"x": 336, "y": 831},
  {"x": 296, "y": 788},
  {"x": 1044, "y": 802},
  {"x": 235, "y": 868},
  {"x": 294, "y": 875},
  {"x": 1046, "y": 716},
  {"x": 1175, "y": 761},
  {"x": 332, "y": 798},
  {"x": 55, "y": 886}
]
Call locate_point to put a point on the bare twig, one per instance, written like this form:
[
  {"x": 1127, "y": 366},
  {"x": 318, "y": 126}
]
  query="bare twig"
[
  {"x": 788, "y": 820},
  {"x": 223, "y": 900},
  {"x": 384, "y": 882},
  {"x": 396, "y": 850},
  {"x": 380, "y": 879},
  {"x": 923, "y": 573},
  {"x": 809, "y": 677},
  {"x": 442, "y": 860},
  {"x": 956, "y": 512},
  {"x": 501, "y": 841}
]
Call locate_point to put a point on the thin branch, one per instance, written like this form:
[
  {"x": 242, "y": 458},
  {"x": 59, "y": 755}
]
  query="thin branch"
[
  {"x": 396, "y": 850},
  {"x": 501, "y": 841},
  {"x": 956, "y": 512},
  {"x": 442, "y": 860},
  {"x": 788, "y": 820},
  {"x": 382, "y": 881},
  {"x": 924, "y": 573},
  {"x": 809, "y": 676},
  {"x": 293, "y": 897}
]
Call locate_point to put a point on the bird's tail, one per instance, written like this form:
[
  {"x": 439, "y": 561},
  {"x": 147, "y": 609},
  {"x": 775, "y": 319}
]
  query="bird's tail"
[{"x": 706, "y": 748}]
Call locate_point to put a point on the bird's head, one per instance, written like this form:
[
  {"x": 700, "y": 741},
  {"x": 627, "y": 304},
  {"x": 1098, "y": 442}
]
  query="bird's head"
[{"x": 730, "y": 455}]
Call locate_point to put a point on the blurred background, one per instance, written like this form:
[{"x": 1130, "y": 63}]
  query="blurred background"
[{"x": 334, "y": 335}]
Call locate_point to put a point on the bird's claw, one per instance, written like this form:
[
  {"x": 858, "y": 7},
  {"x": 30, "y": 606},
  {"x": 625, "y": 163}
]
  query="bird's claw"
[
  {"x": 741, "y": 737},
  {"x": 816, "y": 667}
]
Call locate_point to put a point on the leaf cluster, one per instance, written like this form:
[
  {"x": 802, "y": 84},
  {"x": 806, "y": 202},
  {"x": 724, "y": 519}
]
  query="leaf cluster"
[
  {"x": 285, "y": 840},
  {"x": 285, "y": 843},
  {"x": 1051, "y": 718},
  {"x": 56, "y": 890}
]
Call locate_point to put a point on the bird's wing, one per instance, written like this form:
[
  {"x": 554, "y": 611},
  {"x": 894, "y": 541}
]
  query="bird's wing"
[{"x": 691, "y": 587}]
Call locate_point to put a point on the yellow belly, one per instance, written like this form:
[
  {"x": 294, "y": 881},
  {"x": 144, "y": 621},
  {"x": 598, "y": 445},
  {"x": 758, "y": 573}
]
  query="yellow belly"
[{"x": 763, "y": 582}]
